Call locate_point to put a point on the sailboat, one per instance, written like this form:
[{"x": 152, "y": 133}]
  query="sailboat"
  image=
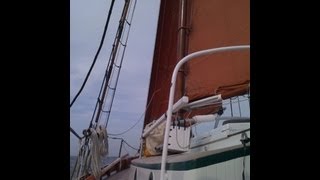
[{"x": 200, "y": 69}]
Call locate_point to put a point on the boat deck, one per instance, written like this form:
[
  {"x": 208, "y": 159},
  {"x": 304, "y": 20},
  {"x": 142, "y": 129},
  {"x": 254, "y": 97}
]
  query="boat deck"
[{"x": 124, "y": 174}]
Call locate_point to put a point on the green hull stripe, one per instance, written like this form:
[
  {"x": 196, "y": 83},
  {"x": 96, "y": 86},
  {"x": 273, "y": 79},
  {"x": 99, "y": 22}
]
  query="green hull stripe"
[{"x": 200, "y": 162}]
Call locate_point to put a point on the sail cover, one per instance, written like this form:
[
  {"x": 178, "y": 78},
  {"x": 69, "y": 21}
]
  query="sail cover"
[{"x": 210, "y": 24}]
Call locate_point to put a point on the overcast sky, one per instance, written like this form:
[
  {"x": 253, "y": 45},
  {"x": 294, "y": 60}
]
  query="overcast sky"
[{"x": 87, "y": 20}]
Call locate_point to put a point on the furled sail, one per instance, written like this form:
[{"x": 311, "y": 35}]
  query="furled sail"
[{"x": 209, "y": 24}]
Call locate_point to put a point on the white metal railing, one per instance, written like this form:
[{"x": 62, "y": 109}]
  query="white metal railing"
[{"x": 171, "y": 95}]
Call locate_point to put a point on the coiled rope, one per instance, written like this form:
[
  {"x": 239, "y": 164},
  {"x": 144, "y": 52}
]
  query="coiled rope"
[{"x": 98, "y": 143}]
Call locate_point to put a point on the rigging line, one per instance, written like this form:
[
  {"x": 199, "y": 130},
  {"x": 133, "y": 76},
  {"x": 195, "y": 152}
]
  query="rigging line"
[
  {"x": 188, "y": 114},
  {"x": 231, "y": 107},
  {"x": 114, "y": 137},
  {"x": 123, "y": 141},
  {"x": 130, "y": 145},
  {"x": 75, "y": 133},
  {"x": 117, "y": 74},
  {"x": 139, "y": 118},
  {"x": 114, "y": 63},
  {"x": 239, "y": 106},
  {"x": 94, "y": 112},
  {"x": 117, "y": 79},
  {"x": 226, "y": 103},
  {"x": 96, "y": 56},
  {"x": 249, "y": 95},
  {"x": 124, "y": 147},
  {"x": 111, "y": 60},
  {"x": 133, "y": 10},
  {"x": 77, "y": 160},
  {"x": 122, "y": 56},
  {"x": 98, "y": 100}
]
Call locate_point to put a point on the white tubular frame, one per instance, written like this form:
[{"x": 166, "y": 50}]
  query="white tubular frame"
[{"x": 171, "y": 95}]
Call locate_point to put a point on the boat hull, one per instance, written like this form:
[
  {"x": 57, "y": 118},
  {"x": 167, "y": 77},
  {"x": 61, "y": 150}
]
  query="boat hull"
[
  {"x": 227, "y": 170},
  {"x": 223, "y": 164}
]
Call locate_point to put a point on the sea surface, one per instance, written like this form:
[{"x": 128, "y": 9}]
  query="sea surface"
[{"x": 73, "y": 160}]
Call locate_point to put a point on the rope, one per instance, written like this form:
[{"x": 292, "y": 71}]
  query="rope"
[
  {"x": 231, "y": 107},
  {"x": 75, "y": 133},
  {"x": 130, "y": 145},
  {"x": 96, "y": 56},
  {"x": 139, "y": 118},
  {"x": 95, "y": 143},
  {"x": 90, "y": 156},
  {"x": 239, "y": 105},
  {"x": 226, "y": 103},
  {"x": 80, "y": 165},
  {"x": 95, "y": 163},
  {"x": 99, "y": 148},
  {"x": 123, "y": 52}
]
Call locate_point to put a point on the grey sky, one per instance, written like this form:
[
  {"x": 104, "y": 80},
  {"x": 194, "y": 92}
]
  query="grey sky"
[{"x": 87, "y": 19}]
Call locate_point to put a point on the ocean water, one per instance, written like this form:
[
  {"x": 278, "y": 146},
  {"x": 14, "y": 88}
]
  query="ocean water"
[{"x": 105, "y": 161}]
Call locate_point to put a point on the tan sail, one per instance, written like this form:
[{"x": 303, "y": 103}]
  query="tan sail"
[
  {"x": 210, "y": 23},
  {"x": 164, "y": 60}
]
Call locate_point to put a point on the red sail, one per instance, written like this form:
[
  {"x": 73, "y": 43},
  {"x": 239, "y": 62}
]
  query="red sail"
[
  {"x": 210, "y": 24},
  {"x": 217, "y": 23},
  {"x": 164, "y": 60}
]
